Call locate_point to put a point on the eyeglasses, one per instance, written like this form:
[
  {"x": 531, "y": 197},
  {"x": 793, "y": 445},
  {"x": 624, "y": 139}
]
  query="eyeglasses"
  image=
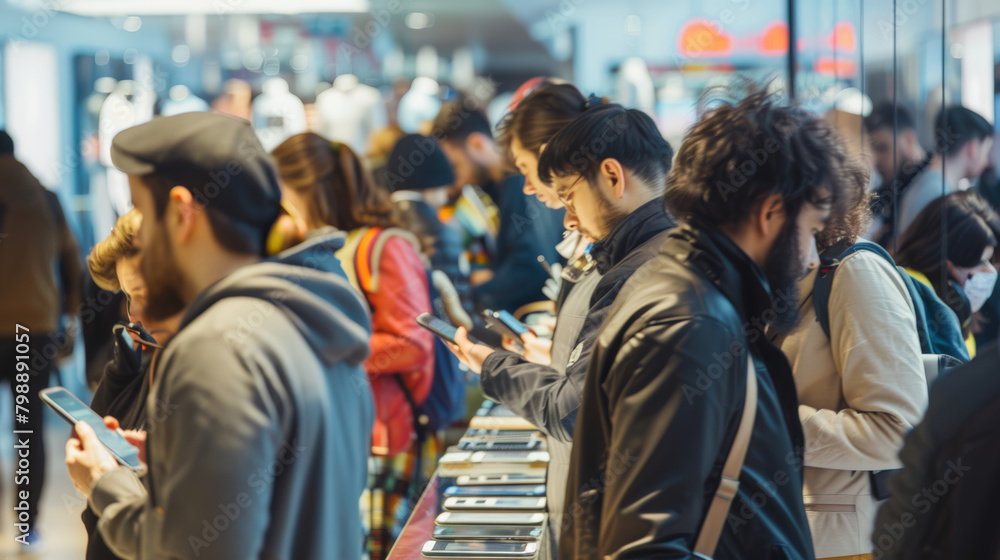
[{"x": 564, "y": 195}]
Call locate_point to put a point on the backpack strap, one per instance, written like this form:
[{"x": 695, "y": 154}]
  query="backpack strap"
[
  {"x": 729, "y": 483},
  {"x": 823, "y": 285}
]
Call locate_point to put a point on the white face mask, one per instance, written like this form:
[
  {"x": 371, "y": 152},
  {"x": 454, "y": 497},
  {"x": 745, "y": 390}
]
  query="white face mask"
[{"x": 979, "y": 288}]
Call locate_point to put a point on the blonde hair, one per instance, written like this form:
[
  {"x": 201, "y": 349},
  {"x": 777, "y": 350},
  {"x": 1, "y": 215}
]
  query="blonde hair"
[{"x": 119, "y": 244}]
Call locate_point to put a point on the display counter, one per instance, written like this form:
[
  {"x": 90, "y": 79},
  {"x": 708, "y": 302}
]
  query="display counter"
[{"x": 496, "y": 472}]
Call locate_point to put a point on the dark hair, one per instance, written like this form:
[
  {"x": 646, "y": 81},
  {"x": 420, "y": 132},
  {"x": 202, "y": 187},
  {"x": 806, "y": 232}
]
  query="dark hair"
[
  {"x": 6, "y": 143},
  {"x": 956, "y": 126},
  {"x": 234, "y": 237},
  {"x": 882, "y": 117},
  {"x": 334, "y": 178},
  {"x": 457, "y": 120},
  {"x": 608, "y": 131},
  {"x": 971, "y": 226},
  {"x": 852, "y": 216},
  {"x": 539, "y": 116},
  {"x": 740, "y": 152}
]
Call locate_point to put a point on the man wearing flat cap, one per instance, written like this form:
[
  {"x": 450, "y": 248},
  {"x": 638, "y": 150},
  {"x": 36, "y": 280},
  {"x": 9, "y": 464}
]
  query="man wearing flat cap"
[{"x": 260, "y": 409}]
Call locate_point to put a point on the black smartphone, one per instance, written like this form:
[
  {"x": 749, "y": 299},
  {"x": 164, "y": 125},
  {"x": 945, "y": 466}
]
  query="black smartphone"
[
  {"x": 73, "y": 410},
  {"x": 486, "y": 533},
  {"x": 481, "y": 444},
  {"x": 443, "y": 329},
  {"x": 437, "y": 326}
]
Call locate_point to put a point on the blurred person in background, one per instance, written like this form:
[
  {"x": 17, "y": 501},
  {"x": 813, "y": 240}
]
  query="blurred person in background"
[
  {"x": 963, "y": 140},
  {"x": 859, "y": 377},
  {"x": 379, "y": 147},
  {"x": 987, "y": 328},
  {"x": 235, "y": 99},
  {"x": 122, "y": 393},
  {"x": 898, "y": 157},
  {"x": 616, "y": 195},
  {"x": 329, "y": 186},
  {"x": 669, "y": 381},
  {"x": 35, "y": 243},
  {"x": 957, "y": 261},
  {"x": 527, "y": 229},
  {"x": 420, "y": 177},
  {"x": 265, "y": 369}
]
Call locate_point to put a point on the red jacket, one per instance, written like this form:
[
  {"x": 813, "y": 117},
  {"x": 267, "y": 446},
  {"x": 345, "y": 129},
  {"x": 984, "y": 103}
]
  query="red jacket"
[{"x": 398, "y": 344}]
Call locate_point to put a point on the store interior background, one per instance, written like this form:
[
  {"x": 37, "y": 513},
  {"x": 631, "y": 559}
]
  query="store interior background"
[{"x": 61, "y": 59}]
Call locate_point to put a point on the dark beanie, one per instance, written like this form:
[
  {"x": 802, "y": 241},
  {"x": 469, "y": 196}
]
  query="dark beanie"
[{"x": 417, "y": 163}]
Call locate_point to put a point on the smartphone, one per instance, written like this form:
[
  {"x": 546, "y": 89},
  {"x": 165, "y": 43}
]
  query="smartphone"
[
  {"x": 73, "y": 410},
  {"x": 489, "y": 518},
  {"x": 453, "y": 549},
  {"x": 486, "y": 533},
  {"x": 480, "y": 503},
  {"x": 477, "y": 444},
  {"x": 494, "y": 322},
  {"x": 510, "y": 457},
  {"x": 519, "y": 328},
  {"x": 501, "y": 435},
  {"x": 499, "y": 479},
  {"x": 437, "y": 326},
  {"x": 443, "y": 329},
  {"x": 501, "y": 423},
  {"x": 514, "y": 490}
]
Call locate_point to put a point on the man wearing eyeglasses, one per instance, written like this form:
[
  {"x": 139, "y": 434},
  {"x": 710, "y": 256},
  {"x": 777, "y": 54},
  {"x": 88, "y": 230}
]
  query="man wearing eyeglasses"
[{"x": 608, "y": 167}]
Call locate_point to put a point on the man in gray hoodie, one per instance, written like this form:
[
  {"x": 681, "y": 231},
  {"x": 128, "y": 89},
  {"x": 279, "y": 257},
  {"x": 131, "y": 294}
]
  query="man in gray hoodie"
[{"x": 260, "y": 409}]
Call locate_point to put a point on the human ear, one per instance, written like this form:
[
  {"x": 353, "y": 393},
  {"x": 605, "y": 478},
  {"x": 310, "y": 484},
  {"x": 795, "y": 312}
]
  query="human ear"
[
  {"x": 770, "y": 215},
  {"x": 182, "y": 210},
  {"x": 613, "y": 171}
]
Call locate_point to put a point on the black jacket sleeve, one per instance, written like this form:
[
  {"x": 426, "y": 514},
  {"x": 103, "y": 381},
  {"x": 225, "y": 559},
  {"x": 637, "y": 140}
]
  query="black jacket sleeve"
[
  {"x": 670, "y": 419},
  {"x": 541, "y": 394}
]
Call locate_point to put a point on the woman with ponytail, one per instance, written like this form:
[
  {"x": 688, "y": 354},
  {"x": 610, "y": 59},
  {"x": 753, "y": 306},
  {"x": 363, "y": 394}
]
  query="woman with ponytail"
[{"x": 329, "y": 188}]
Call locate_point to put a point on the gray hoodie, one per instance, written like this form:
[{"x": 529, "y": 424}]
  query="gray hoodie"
[{"x": 260, "y": 421}]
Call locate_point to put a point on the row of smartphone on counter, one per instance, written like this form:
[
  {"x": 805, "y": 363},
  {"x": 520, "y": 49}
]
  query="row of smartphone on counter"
[{"x": 496, "y": 509}]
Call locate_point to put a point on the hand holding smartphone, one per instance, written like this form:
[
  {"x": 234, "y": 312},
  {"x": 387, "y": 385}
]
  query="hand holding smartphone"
[
  {"x": 505, "y": 323},
  {"x": 73, "y": 410}
]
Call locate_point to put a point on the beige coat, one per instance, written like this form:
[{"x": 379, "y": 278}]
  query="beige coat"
[{"x": 860, "y": 391}]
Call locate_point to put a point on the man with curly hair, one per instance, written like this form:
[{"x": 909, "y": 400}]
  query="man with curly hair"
[{"x": 664, "y": 397}]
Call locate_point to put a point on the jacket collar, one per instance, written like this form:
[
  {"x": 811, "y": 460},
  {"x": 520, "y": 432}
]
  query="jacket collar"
[
  {"x": 634, "y": 230},
  {"x": 727, "y": 266},
  {"x": 743, "y": 283}
]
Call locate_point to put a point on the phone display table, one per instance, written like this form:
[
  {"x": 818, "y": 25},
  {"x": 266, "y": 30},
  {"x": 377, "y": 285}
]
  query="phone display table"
[{"x": 474, "y": 465}]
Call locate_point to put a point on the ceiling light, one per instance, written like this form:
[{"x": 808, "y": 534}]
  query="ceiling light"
[
  {"x": 419, "y": 20},
  {"x": 132, "y": 24},
  {"x": 216, "y": 7},
  {"x": 181, "y": 54}
]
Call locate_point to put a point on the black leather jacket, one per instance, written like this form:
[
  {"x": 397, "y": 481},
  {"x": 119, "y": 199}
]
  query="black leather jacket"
[{"x": 660, "y": 408}]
